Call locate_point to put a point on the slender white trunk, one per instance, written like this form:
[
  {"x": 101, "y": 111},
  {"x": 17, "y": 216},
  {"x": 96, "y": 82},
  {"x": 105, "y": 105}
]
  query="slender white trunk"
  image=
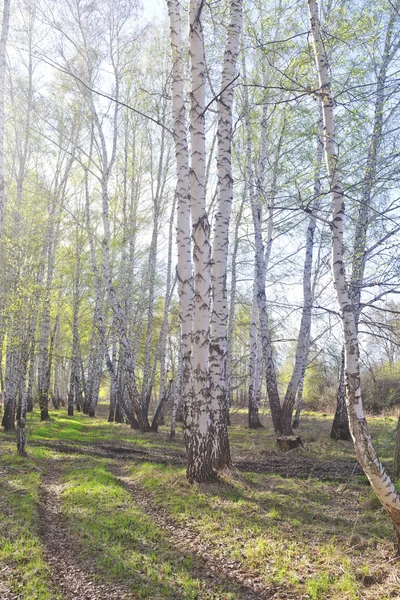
[
  {"x": 43, "y": 362},
  {"x": 303, "y": 339},
  {"x": 254, "y": 421},
  {"x": 219, "y": 315},
  {"x": 10, "y": 388},
  {"x": 340, "y": 427},
  {"x": 152, "y": 265},
  {"x": 167, "y": 301},
  {"x": 232, "y": 306},
  {"x": 365, "y": 452},
  {"x": 272, "y": 386},
  {"x": 177, "y": 394},
  {"x": 184, "y": 266},
  {"x": 3, "y": 43},
  {"x": 75, "y": 378}
]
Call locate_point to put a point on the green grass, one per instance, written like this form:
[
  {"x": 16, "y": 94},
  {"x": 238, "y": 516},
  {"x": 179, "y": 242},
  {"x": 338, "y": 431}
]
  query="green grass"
[
  {"x": 306, "y": 538},
  {"x": 293, "y": 533},
  {"x": 125, "y": 543},
  {"x": 21, "y": 548}
]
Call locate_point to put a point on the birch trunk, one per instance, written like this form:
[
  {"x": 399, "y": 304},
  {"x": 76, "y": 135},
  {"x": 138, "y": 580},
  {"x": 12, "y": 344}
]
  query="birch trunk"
[
  {"x": 271, "y": 381},
  {"x": 3, "y": 43},
  {"x": 254, "y": 421},
  {"x": 10, "y": 390},
  {"x": 340, "y": 427},
  {"x": 303, "y": 340},
  {"x": 74, "y": 379},
  {"x": 184, "y": 266},
  {"x": 233, "y": 294},
  {"x": 119, "y": 321},
  {"x": 43, "y": 362},
  {"x": 177, "y": 394},
  {"x": 167, "y": 301},
  {"x": 198, "y": 420},
  {"x": 156, "y": 421},
  {"x": 56, "y": 389},
  {"x": 152, "y": 265},
  {"x": 219, "y": 315},
  {"x": 365, "y": 452},
  {"x": 21, "y": 422}
]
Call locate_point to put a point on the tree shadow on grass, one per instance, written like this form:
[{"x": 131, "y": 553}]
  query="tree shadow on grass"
[{"x": 116, "y": 541}]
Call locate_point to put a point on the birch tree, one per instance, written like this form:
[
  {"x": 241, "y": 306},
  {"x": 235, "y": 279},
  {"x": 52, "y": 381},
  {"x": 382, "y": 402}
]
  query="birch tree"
[
  {"x": 184, "y": 266},
  {"x": 360, "y": 251},
  {"x": 3, "y": 43},
  {"x": 219, "y": 315},
  {"x": 365, "y": 451},
  {"x": 198, "y": 422}
]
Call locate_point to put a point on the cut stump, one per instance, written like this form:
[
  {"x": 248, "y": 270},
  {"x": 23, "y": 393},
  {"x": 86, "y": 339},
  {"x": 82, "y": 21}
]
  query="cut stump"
[{"x": 289, "y": 442}]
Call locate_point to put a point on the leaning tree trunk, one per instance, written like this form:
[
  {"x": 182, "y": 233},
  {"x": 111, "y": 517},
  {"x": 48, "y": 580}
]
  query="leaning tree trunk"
[
  {"x": 365, "y": 452},
  {"x": 340, "y": 427},
  {"x": 219, "y": 315},
  {"x": 303, "y": 339},
  {"x": 156, "y": 421}
]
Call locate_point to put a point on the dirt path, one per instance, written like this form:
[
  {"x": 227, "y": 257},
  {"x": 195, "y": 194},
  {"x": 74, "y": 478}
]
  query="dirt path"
[
  {"x": 72, "y": 576},
  {"x": 187, "y": 541}
]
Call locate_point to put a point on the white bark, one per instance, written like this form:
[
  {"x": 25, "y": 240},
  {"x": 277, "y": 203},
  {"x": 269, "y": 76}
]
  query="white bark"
[
  {"x": 232, "y": 305},
  {"x": 106, "y": 166},
  {"x": 184, "y": 266},
  {"x": 303, "y": 339},
  {"x": 3, "y": 43},
  {"x": 198, "y": 422},
  {"x": 254, "y": 421},
  {"x": 177, "y": 393},
  {"x": 365, "y": 452},
  {"x": 359, "y": 255},
  {"x": 152, "y": 264},
  {"x": 75, "y": 378},
  {"x": 43, "y": 361},
  {"x": 167, "y": 302},
  {"x": 219, "y": 315}
]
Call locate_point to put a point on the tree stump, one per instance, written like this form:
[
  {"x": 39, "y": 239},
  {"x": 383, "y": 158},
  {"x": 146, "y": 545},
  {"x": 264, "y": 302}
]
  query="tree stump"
[{"x": 289, "y": 442}]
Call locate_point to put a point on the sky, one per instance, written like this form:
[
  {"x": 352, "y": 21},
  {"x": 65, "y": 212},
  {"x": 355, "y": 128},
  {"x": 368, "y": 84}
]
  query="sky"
[{"x": 153, "y": 8}]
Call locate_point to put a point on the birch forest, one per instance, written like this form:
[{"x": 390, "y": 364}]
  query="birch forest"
[{"x": 199, "y": 299}]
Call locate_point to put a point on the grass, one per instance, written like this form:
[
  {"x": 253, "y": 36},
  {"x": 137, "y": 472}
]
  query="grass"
[
  {"x": 21, "y": 547},
  {"x": 125, "y": 543},
  {"x": 295, "y": 537}
]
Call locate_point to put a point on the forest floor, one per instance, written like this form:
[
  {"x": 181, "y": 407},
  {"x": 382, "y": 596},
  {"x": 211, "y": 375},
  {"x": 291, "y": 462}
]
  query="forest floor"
[{"x": 98, "y": 511}]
